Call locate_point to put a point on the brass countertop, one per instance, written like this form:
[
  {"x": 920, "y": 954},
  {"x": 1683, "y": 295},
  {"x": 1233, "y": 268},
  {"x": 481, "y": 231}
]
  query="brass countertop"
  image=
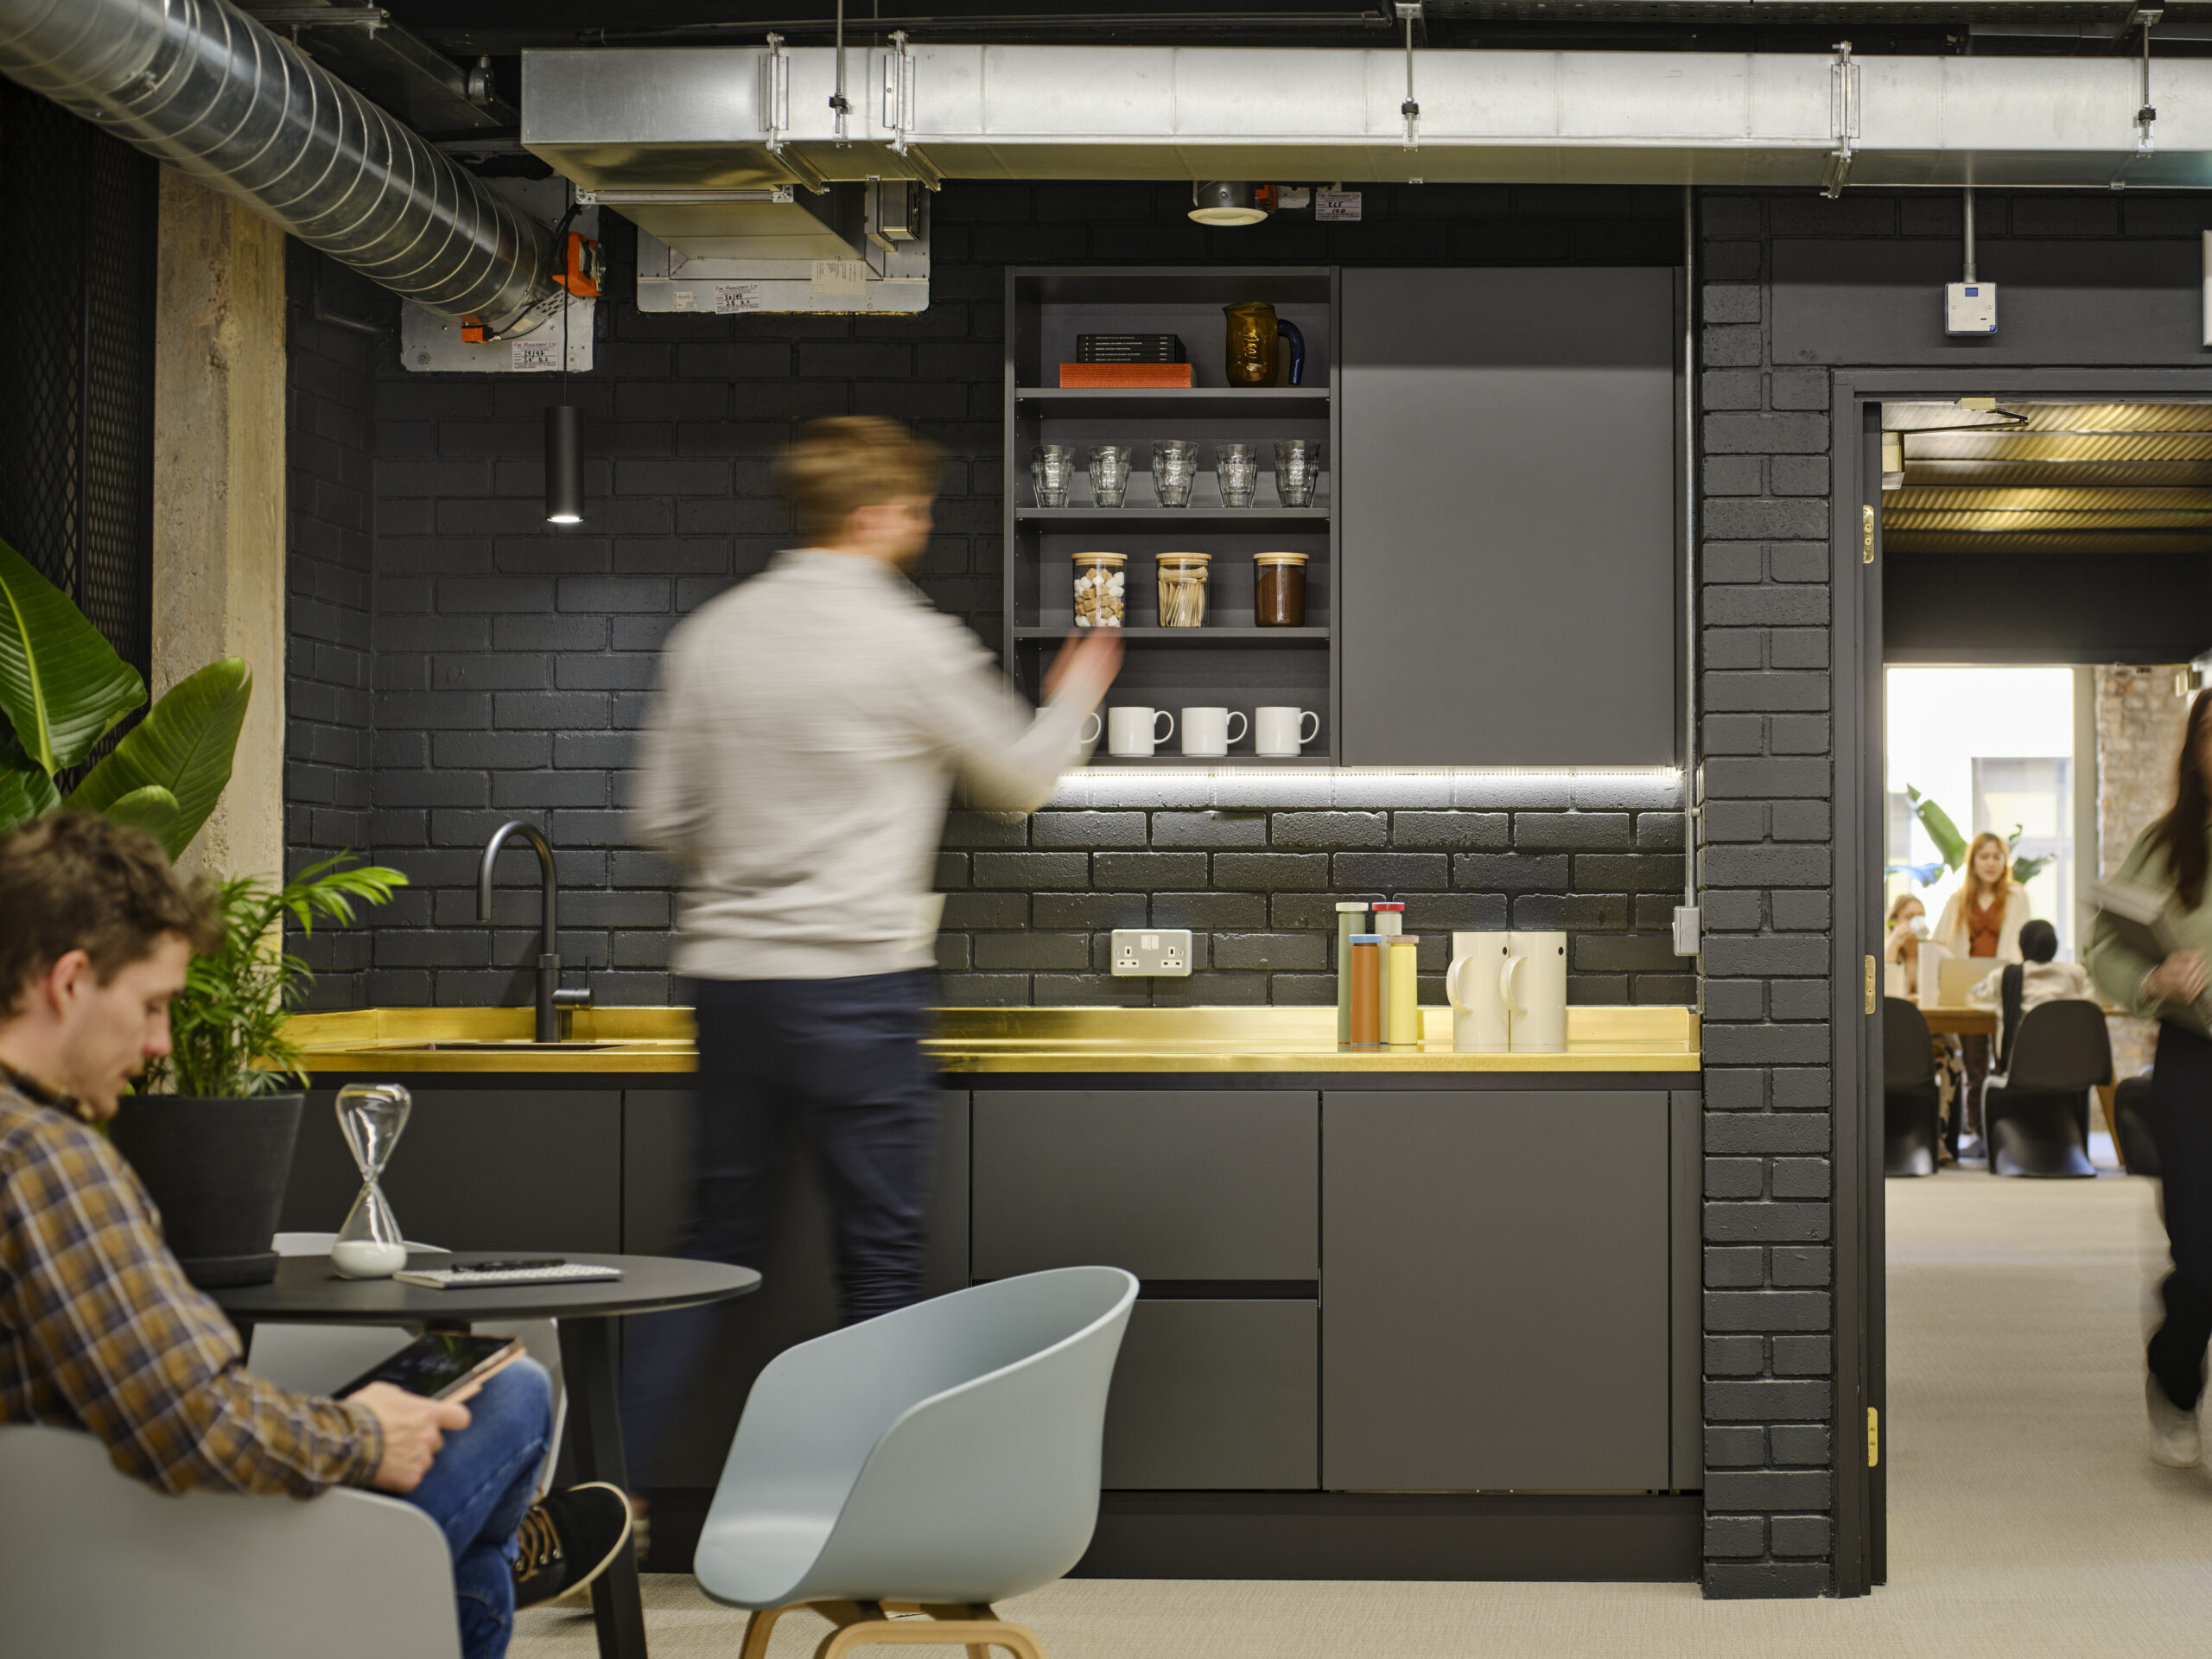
[{"x": 978, "y": 1040}]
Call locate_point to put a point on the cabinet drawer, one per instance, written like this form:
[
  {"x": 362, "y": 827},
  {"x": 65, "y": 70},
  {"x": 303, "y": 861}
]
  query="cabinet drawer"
[
  {"x": 1222, "y": 1396},
  {"x": 1194, "y": 1184}
]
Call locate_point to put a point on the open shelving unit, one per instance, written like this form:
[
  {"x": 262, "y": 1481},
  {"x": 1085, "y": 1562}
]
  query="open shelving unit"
[{"x": 1229, "y": 661}]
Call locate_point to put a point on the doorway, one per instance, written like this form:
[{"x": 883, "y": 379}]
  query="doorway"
[{"x": 2066, "y": 511}]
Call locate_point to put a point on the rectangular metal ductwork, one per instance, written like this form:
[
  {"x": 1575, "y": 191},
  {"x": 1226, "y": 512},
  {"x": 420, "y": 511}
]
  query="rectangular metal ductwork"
[{"x": 732, "y": 117}]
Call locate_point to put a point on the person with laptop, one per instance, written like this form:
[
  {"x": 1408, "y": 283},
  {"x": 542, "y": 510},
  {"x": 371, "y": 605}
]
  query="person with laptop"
[
  {"x": 2174, "y": 856},
  {"x": 1982, "y": 920},
  {"x": 100, "y": 1329}
]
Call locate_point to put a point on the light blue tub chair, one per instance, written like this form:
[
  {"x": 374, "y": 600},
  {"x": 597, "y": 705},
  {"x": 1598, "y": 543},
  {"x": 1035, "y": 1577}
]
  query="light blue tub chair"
[{"x": 933, "y": 1460}]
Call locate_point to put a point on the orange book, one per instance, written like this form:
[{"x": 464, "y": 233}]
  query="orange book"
[{"x": 1125, "y": 374}]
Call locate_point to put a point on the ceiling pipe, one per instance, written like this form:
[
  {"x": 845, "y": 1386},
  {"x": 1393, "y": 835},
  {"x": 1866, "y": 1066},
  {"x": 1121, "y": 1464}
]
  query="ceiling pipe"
[{"x": 205, "y": 88}]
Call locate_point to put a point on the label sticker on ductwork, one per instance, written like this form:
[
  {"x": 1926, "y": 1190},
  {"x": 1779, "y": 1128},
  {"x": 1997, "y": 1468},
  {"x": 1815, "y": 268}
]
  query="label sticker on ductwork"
[
  {"x": 839, "y": 279},
  {"x": 1336, "y": 204},
  {"x": 537, "y": 354},
  {"x": 736, "y": 296}
]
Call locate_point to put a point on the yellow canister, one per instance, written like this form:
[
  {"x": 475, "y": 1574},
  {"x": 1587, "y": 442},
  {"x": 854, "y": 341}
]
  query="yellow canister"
[{"x": 1402, "y": 1022}]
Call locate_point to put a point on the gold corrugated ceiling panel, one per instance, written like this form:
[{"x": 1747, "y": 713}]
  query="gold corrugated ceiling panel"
[
  {"x": 2047, "y": 475},
  {"x": 1983, "y": 519},
  {"x": 2021, "y": 445},
  {"x": 1896, "y": 541},
  {"x": 1911, "y": 500},
  {"x": 2113, "y": 418}
]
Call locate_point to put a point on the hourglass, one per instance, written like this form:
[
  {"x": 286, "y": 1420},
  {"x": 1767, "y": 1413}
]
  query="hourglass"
[{"x": 371, "y": 1116}]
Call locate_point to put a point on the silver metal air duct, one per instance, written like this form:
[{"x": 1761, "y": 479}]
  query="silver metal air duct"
[{"x": 214, "y": 94}]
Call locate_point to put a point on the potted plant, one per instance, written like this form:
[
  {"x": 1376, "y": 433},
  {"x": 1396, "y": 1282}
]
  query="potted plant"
[
  {"x": 214, "y": 1146},
  {"x": 211, "y": 1137}
]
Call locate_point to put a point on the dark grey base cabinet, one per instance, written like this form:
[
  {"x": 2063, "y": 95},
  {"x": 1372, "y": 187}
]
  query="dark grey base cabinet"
[{"x": 1494, "y": 1277}]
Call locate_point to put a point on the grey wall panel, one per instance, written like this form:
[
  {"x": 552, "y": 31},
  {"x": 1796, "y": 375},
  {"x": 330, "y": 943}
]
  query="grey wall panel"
[
  {"x": 1167, "y": 1184},
  {"x": 477, "y": 1169},
  {"x": 2099, "y": 302},
  {"x": 2046, "y": 608},
  {"x": 797, "y": 1298},
  {"x": 1508, "y": 497},
  {"x": 1495, "y": 1291},
  {"x": 1216, "y": 1396},
  {"x": 1685, "y": 1277}
]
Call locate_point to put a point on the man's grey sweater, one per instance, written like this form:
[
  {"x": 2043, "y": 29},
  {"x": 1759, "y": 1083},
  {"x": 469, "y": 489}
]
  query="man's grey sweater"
[{"x": 811, "y": 725}]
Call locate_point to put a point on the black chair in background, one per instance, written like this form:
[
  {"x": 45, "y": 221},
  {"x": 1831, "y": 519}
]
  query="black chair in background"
[
  {"x": 1911, "y": 1106},
  {"x": 2037, "y": 1120},
  {"x": 2131, "y": 1116}
]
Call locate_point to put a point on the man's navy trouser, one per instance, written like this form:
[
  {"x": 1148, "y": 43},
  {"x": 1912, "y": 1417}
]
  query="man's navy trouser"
[{"x": 841, "y": 1061}]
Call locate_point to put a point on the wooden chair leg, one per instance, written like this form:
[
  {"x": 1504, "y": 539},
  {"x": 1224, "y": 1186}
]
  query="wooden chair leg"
[
  {"x": 978, "y": 1636},
  {"x": 758, "y": 1629}
]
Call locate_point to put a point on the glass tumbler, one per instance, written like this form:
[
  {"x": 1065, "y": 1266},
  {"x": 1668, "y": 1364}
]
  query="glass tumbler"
[
  {"x": 1053, "y": 465},
  {"x": 1298, "y": 470},
  {"x": 1174, "y": 469},
  {"x": 1237, "y": 466},
  {"x": 1109, "y": 475}
]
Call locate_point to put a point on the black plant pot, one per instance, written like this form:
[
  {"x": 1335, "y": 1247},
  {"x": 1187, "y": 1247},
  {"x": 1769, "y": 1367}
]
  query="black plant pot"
[{"x": 217, "y": 1170}]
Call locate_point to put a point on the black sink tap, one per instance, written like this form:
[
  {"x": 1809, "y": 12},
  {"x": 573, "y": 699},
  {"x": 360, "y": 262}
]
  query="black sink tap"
[{"x": 554, "y": 1004}]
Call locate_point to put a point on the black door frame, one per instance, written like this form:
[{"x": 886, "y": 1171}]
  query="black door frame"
[{"x": 1855, "y": 557}]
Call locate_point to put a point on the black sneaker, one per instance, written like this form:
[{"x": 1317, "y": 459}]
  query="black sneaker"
[{"x": 569, "y": 1540}]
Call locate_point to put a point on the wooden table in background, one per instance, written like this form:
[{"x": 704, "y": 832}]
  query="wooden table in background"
[{"x": 1961, "y": 1019}]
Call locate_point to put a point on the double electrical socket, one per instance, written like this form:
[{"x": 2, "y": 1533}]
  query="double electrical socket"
[{"x": 1162, "y": 951}]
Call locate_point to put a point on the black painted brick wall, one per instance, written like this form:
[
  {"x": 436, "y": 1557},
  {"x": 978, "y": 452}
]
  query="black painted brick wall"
[{"x": 512, "y": 664}]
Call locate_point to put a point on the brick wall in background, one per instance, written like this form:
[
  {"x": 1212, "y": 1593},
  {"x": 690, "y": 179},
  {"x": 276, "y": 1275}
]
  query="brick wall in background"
[
  {"x": 330, "y": 386},
  {"x": 513, "y": 663},
  {"x": 2140, "y": 724}
]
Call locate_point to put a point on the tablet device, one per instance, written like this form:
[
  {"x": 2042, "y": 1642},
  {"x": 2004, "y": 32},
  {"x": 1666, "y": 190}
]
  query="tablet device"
[{"x": 438, "y": 1364}]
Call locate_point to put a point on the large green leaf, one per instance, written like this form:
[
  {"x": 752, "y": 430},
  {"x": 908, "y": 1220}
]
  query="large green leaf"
[
  {"x": 152, "y": 809},
  {"x": 184, "y": 745},
  {"x": 61, "y": 684},
  {"x": 1941, "y": 830},
  {"x": 25, "y": 793}
]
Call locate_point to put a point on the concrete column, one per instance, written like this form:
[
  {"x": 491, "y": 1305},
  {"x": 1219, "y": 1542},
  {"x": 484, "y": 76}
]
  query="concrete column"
[{"x": 218, "y": 493}]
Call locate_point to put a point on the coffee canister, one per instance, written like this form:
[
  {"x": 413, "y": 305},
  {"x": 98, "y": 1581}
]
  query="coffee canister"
[
  {"x": 1401, "y": 1016},
  {"x": 1351, "y": 919}
]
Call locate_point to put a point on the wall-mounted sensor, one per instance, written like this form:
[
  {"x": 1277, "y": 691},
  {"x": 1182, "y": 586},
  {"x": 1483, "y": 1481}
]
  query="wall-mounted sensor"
[
  {"x": 1158, "y": 950},
  {"x": 1970, "y": 308}
]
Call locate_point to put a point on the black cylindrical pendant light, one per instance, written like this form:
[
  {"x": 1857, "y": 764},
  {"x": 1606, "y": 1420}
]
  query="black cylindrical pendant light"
[{"x": 564, "y": 465}]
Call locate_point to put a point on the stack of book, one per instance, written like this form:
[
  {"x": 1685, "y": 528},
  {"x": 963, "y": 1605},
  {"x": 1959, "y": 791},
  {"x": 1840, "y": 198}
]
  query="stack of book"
[
  {"x": 1128, "y": 348},
  {"x": 1127, "y": 360}
]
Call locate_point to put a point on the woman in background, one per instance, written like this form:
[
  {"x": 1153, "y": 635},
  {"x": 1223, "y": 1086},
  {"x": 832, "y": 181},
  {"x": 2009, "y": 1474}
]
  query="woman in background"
[
  {"x": 2176, "y": 853},
  {"x": 1984, "y": 918},
  {"x": 1903, "y": 946}
]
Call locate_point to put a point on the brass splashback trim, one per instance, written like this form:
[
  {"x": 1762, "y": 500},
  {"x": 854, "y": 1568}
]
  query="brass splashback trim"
[{"x": 982, "y": 1040}]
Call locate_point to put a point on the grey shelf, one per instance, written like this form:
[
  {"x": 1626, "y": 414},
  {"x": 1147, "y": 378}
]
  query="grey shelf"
[
  {"x": 1222, "y": 516},
  {"x": 1196, "y": 400},
  {"x": 1101, "y": 760}
]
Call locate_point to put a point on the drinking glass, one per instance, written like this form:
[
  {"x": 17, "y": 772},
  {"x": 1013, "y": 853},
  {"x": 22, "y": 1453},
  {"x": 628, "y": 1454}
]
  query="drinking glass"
[
  {"x": 1052, "y": 465},
  {"x": 1174, "y": 469},
  {"x": 1109, "y": 475},
  {"x": 1237, "y": 466},
  {"x": 1298, "y": 469}
]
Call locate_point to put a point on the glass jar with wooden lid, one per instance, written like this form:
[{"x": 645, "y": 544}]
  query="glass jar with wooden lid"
[
  {"x": 1279, "y": 589},
  {"x": 1183, "y": 589},
  {"x": 1099, "y": 581}
]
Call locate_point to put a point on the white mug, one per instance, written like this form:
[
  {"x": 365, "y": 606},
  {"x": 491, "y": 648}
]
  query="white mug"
[
  {"x": 1479, "y": 1021},
  {"x": 1093, "y": 727},
  {"x": 1133, "y": 733},
  {"x": 1206, "y": 731},
  {"x": 1282, "y": 731},
  {"x": 1534, "y": 989}
]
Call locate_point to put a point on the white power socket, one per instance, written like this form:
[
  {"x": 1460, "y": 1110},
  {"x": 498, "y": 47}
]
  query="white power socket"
[
  {"x": 1970, "y": 308},
  {"x": 1161, "y": 950}
]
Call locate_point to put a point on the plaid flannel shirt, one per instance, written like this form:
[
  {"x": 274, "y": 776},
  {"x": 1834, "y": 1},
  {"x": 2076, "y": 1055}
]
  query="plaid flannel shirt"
[{"x": 100, "y": 1330}]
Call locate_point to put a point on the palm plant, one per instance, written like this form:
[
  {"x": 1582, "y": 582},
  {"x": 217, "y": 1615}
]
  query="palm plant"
[
  {"x": 62, "y": 689},
  {"x": 1951, "y": 844}
]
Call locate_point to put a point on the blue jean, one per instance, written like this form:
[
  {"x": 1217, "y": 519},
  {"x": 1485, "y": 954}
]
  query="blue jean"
[
  {"x": 841, "y": 1061},
  {"x": 478, "y": 1491}
]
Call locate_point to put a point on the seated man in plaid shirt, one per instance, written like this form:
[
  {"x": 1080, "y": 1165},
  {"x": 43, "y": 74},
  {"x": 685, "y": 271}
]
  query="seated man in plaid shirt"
[{"x": 100, "y": 1329}]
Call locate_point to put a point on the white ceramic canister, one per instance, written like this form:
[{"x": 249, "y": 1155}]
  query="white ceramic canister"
[
  {"x": 1533, "y": 988},
  {"x": 1478, "y": 1023}
]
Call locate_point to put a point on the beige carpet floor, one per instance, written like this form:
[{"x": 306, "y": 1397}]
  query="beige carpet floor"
[{"x": 2025, "y": 1520}]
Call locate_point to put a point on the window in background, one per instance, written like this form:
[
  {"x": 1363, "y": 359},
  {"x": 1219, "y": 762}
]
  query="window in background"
[{"x": 1994, "y": 747}]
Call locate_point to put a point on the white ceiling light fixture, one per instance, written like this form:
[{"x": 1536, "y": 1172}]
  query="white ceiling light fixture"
[{"x": 1226, "y": 201}]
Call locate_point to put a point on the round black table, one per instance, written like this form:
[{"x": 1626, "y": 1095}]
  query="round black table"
[{"x": 307, "y": 1290}]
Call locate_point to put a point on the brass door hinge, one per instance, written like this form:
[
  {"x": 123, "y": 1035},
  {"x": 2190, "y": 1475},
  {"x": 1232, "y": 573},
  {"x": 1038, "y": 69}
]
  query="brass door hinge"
[
  {"x": 1873, "y": 1438},
  {"x": 1867, "y": 534},
  {"x": 1870, "y": 985}
]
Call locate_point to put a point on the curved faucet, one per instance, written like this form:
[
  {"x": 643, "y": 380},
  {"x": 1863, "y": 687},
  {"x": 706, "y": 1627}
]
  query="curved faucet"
[{"x": 554, "y": 1004}]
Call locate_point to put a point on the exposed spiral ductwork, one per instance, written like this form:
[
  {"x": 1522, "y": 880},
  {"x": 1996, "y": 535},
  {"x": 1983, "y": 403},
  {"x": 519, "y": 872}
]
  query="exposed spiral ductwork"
[{"x": 209, "y": 90}]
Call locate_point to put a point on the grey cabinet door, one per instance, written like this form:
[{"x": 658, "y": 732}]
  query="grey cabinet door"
[
  {"x": 1190, "y": 1184},
  {"x": 797, "y": 1298},
  {"x": 1508, "y": 510},
  {"x": 1216, "y": 1396},
  {"x": 477, "y": 1169},
  {"x": 1495, "y": 1291}
]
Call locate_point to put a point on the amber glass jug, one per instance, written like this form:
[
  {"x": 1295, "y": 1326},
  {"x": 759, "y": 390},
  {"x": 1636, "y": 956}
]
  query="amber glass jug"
[{"x": 1252, "y": 338}]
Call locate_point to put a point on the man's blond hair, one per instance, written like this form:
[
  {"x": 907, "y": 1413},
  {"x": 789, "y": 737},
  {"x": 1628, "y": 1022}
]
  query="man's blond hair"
[{"x": 838, "y": 465}]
